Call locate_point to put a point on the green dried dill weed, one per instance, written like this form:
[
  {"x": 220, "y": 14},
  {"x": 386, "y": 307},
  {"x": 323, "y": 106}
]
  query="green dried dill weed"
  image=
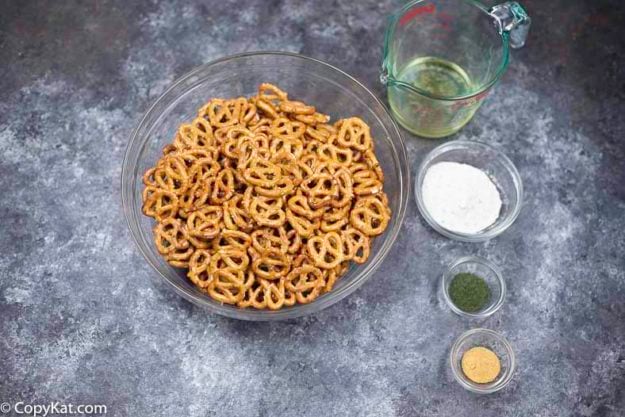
[{"x": 469, "y": 292}]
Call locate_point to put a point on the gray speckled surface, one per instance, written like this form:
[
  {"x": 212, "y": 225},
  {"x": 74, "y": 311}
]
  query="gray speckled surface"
[{"x": 82, "y": 320}]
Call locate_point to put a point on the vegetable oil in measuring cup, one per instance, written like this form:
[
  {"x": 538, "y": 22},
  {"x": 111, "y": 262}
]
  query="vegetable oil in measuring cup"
[
  {"x": 436, "y": 76},
  {"x": 429, "y": 114}
]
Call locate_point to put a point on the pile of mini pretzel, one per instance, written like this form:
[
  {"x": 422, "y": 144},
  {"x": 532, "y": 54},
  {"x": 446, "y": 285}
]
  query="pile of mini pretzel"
[{"x": 264, "y": 202}]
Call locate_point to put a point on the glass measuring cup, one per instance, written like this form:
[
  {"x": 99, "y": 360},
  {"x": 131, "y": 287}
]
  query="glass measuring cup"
[{"x": 441, "y": 58}]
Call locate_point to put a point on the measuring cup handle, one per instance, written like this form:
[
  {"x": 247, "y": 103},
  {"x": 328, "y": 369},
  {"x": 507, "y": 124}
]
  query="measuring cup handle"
[{"x": 510, "y": 17}]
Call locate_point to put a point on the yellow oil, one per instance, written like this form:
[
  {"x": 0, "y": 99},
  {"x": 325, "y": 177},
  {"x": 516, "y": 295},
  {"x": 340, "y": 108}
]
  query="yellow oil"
[{"x": 433, "y": 117}]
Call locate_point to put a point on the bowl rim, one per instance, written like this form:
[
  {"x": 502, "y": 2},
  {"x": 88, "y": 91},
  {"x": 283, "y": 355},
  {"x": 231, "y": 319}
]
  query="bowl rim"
[
  {"x": 469, "y": 237},
  {"x": 494, "y": 306},
  {"x": 482, "y": 388},
  {"x": 399, "y": 152}
]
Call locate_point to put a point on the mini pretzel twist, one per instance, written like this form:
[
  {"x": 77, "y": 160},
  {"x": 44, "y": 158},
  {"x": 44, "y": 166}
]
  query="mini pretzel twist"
[
  {"x": 223, "y": 188},
  {"x": 299, "y": 205},
  {"x": 271, "y": 93},
  {"x": 198, "y": 134},
  {"x": 274, "y": 294},
  {"x": 345, "y": 188},
  {"x": 320, "y": 189},
  {"x": 294, "y": 240},
  {"x": 358, "y": 244},
  {"x": 335, "y": 219},
  {"x": 272, "y": 264},
  {"x": 312, "y": 119},
  {"x": 306, "y": 282},
  {"x": 236, "y": 215},
  {"x": 366, "y": 182},
  {"x": 262, "y": 173},
  {"x": 296, "y": 107},
  {"x": 172, "y": 174},
  {"x": 199, "y": 273},
  {"x": 232, "y": 258},
  {"x": 294, "y": 147},
  {"x": 231, "y": 239},
  {"x": 158, "y": 203},
  {"x": 283, "y": 187},
  {"x": 354, "y": 133},
  {"x": 329, "y": 152},
  {"x": 267, "y": 211},
  {"x": 321, "y": 133},
  {"x": 270, "y": 238},
  {"x": 171, "y": 242},
  {"x": 254, "y": 295},
  {"x": 304, "y": 226},
  {"x": 223, "y": 112},
  {"x": 287, "y": 129},
  {"x": 370, "y": 216},
  {"x": 227, "y": 285},
  {"x": 326, "y": 250},
  {"x": 205, "y": 224}
]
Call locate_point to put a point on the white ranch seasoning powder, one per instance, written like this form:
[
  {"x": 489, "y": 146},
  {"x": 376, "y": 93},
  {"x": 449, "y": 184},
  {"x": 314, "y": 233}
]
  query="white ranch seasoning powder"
[{"x": 460, "y": 197}]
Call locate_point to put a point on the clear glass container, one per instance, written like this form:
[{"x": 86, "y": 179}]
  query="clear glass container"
[
  {"x": 441, "y": 58},
  {"x": 496, "y": 165},
  {"x": 490, "y": 340},
  {"x": 484, "y": 269},
  {"x": 329, "y": 89}
]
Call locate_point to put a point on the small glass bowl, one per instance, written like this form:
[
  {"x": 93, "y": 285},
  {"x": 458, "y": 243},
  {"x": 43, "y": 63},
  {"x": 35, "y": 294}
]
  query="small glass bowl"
[
  {"x": 496, "y": 165},
  {"x": 488, "y": 339},
  {"x": 483, "y": 268}
]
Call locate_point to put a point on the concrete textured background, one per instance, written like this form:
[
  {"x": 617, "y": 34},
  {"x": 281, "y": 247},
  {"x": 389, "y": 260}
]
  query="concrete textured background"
[{"x": 82, "y": 320}]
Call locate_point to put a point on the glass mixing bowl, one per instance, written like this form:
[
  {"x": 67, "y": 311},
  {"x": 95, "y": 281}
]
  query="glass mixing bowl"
[{"x": 329, "y": 89}]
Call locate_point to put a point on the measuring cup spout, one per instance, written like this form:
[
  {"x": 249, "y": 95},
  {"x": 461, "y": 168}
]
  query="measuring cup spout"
[
  {"x": 511, "y": 18},
  {"x": 388, "y": 80},
  {"x": 384, "y": 75}
]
